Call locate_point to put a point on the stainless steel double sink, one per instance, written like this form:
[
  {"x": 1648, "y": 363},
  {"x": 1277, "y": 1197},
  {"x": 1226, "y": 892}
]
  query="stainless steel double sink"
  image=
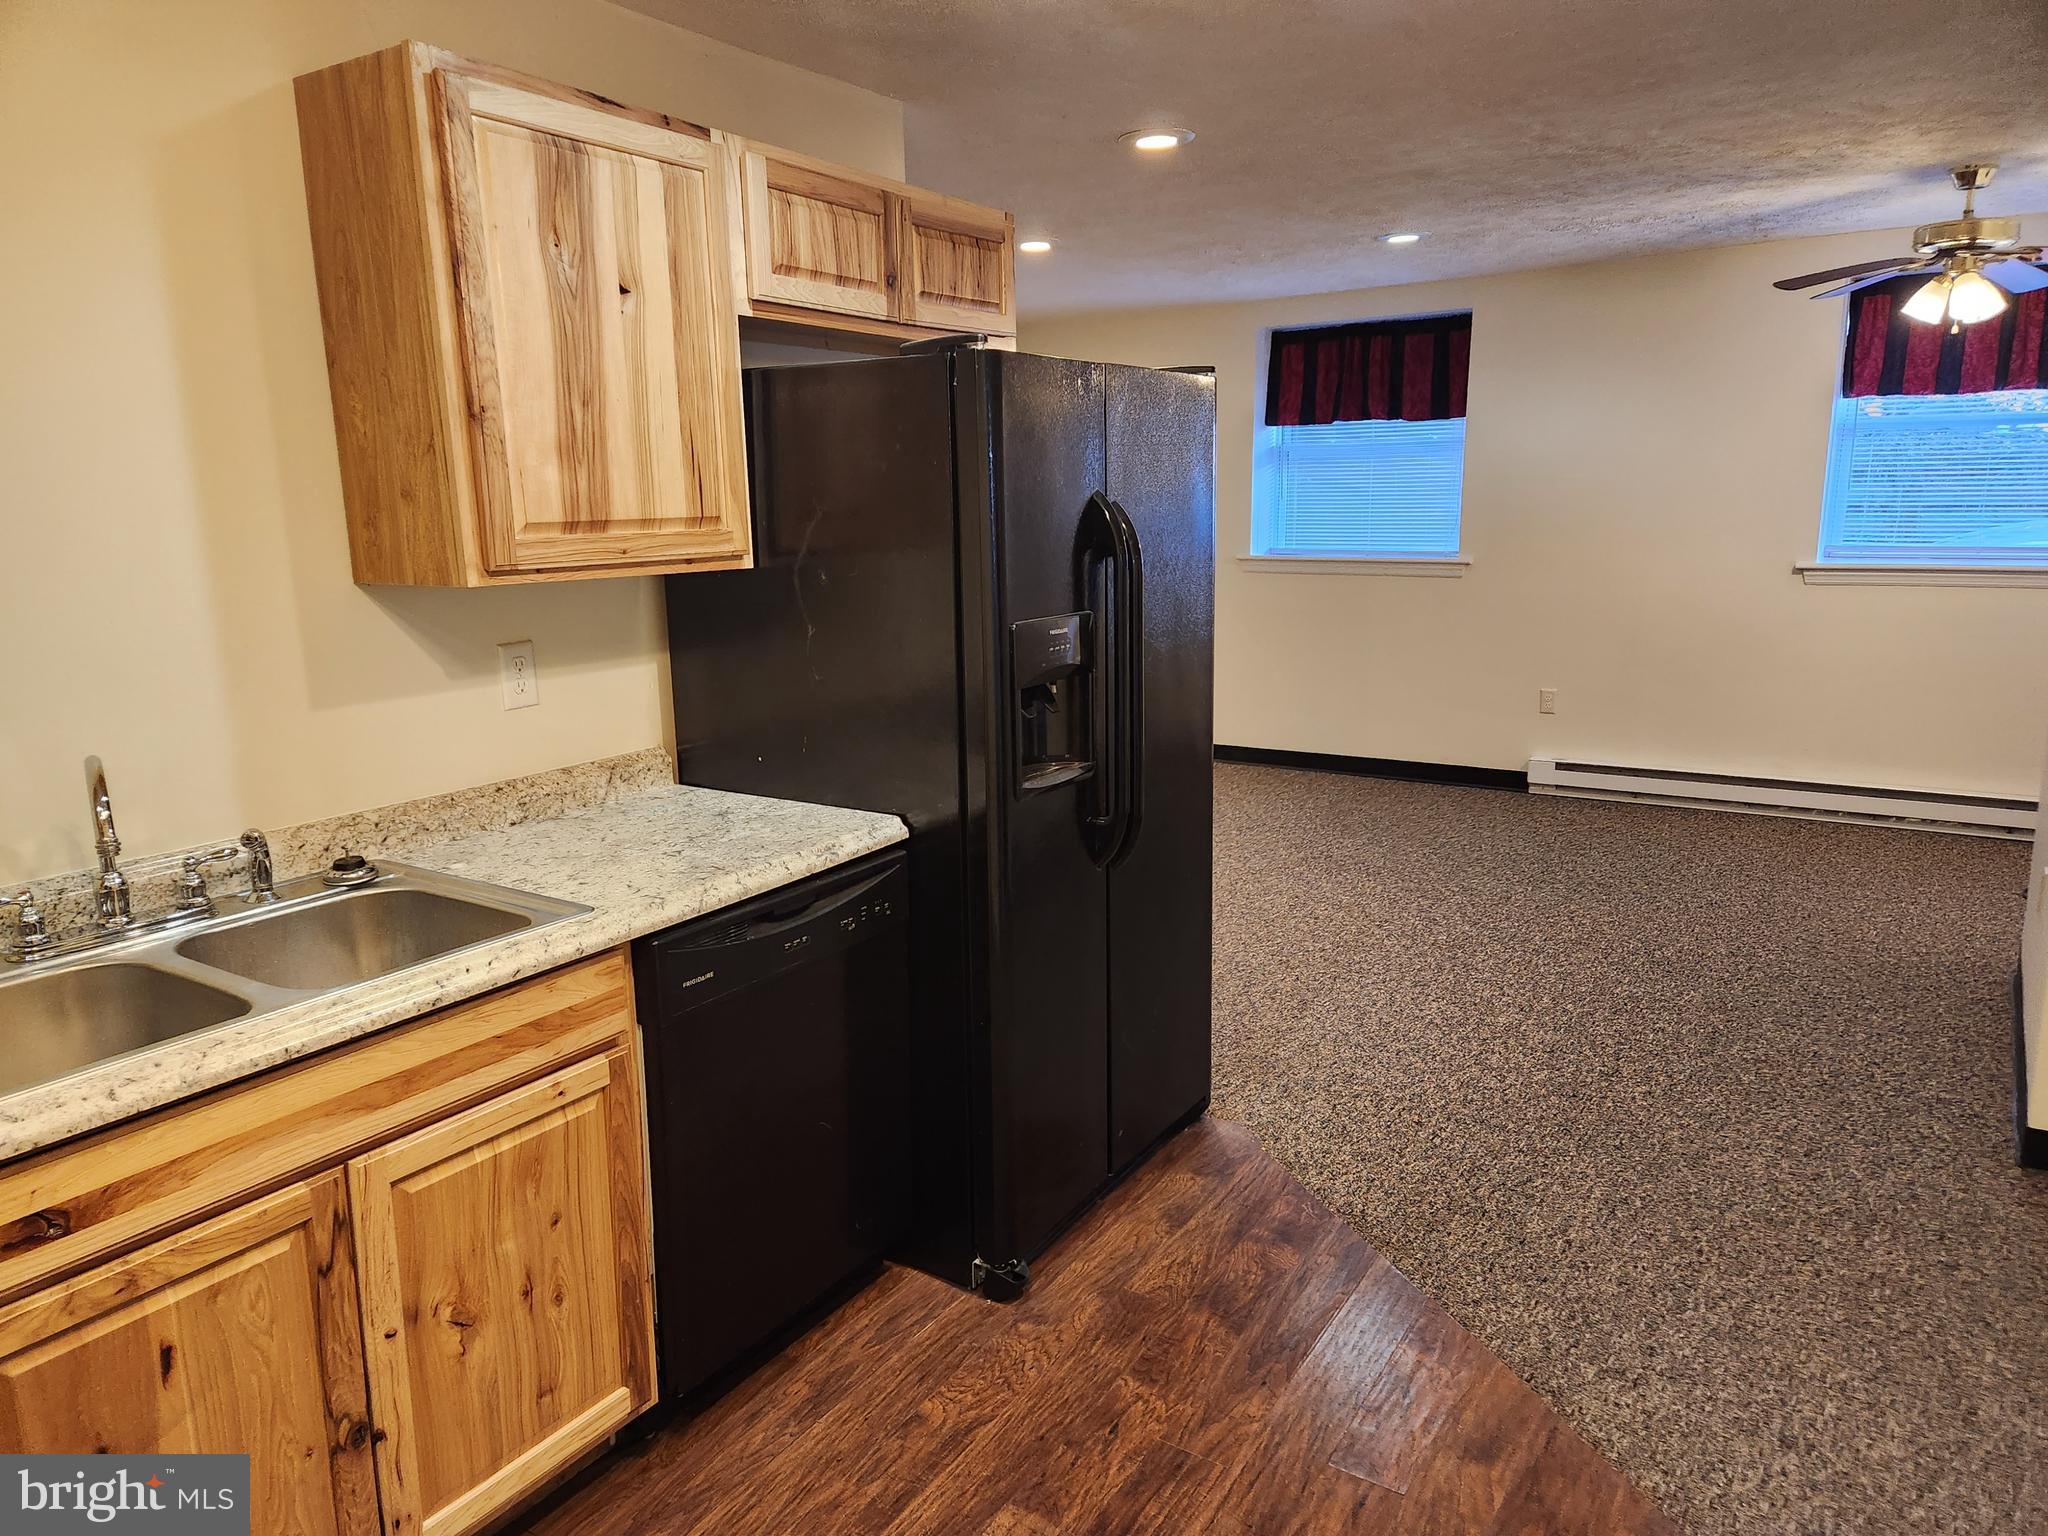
[{"x": 60, "y": 1016}]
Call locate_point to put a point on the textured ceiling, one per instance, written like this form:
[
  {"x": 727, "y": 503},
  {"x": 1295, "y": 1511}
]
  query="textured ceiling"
[{"x": 1519, "y": 133}]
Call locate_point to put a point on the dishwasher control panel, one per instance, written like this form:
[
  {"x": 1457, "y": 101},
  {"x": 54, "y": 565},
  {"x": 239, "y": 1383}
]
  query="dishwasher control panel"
[{"x": 724, "y": 951}]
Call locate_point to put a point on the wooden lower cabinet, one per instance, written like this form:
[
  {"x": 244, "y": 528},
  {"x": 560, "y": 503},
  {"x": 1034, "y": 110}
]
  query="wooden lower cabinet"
[
  {"x": 241, "y": 1334},
  {"x": 505, "y": 1294},
  {"x": 448, "y": 1302}
]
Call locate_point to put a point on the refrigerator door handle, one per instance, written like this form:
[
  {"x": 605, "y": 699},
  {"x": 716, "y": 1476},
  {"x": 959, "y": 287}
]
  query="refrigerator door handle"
[
  {"x": 1130, "y": 646},
  {"x": 1104, "y": 583}
]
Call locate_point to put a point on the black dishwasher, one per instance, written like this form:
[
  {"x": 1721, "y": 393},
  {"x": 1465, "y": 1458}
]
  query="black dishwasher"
[{"x": 777, "y": 1036}]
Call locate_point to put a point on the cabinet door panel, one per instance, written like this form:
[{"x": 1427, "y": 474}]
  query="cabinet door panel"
[
  {"x": 241, "y": 1334},
  {"x": 817, "y": 239},
  {"x": 958, "y": 266},
  {"x": 599, "y": 336},
  {"x": 505, "y": 1281}
]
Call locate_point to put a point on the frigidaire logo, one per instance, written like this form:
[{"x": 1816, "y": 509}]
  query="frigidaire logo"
[{"x": 166, "y": 1495}]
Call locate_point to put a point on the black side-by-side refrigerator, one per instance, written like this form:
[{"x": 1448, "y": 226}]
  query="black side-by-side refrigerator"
[{"x": 983, "y": 600}]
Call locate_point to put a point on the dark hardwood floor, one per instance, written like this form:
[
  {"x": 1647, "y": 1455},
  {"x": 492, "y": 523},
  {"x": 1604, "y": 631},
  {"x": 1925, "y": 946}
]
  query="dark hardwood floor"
[{"x": 1209, "y": 1351}]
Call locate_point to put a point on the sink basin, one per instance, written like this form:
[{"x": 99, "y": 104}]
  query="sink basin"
[
  {"x": 357, "y": 937},
  {"x": 55, "y": 1023},
  {"x": 178, "y": 973}
]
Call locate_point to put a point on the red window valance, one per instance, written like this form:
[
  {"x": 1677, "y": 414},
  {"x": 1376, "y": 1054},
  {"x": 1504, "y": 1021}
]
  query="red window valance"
[
  {"x": 1375, "y": 370},
  {"x": 1887, "y": 354}
]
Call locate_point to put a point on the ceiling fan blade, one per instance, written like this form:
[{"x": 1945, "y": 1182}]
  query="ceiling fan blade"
[
  {"x": 1836, "y": 274},
  {"x": 2016, "y": 276},
  {"x": 1874, "y": 279}
]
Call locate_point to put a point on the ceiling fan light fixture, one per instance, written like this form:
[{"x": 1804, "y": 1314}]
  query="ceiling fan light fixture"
[
  {"x": 1958, "y": 253},
  {"x": 1930, "y": 304},
  {"x": 1974, "y": 297}
]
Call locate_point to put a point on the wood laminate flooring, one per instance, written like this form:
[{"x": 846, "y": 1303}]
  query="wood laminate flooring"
[{"x": 1209, "y": 1352}]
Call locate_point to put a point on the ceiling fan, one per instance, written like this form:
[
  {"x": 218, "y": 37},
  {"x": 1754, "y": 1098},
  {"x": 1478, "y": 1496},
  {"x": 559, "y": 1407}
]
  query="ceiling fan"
[{"x": 1972, "y": 263}]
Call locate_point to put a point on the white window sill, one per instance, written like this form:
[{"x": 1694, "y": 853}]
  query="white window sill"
[
  {"x": 1356, "y": 565},
  {"x": 1923, "y": 575}
]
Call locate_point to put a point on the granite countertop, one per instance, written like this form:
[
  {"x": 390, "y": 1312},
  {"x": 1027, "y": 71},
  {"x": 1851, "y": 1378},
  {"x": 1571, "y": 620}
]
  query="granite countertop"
[{"x": 641, "y": 863}]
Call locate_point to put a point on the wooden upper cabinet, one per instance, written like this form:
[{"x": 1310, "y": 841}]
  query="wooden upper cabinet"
[
  {"x": 822, "y": 238},
  {"x": 817, "y": 238},
  {"x": 507, "y": 1294},
  {"x": 957, "y": 265},
  {"x": 531, "y": 334},
  {"x": 599, "y": 342},
  {"x": 240, "y": 1334}
]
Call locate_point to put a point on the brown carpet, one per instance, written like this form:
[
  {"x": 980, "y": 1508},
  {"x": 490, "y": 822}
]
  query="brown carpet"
[{"x": 1702, "y": 1121}]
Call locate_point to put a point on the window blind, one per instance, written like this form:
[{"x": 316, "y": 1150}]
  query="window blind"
[
  {"x": 1370, "y": 488},
  {"x": 1934, "y": 479}
]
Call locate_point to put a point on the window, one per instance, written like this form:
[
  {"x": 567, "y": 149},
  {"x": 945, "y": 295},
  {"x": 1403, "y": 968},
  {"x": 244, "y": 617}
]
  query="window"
[
  {"x": 1938, "y": 479},
  {"x": 1362, "y": 454},
  {"x": 1362, "y": 489}
]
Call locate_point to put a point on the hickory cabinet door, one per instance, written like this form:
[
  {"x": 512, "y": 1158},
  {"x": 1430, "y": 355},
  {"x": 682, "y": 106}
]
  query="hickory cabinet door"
[
  {"x": 817, "y": 239},
  {"x": 957, "y": 262},
  {"x": 239, "y": 1334},
  {"x": 506, "y": 1294},
  {"x": 599, "y": 339}
]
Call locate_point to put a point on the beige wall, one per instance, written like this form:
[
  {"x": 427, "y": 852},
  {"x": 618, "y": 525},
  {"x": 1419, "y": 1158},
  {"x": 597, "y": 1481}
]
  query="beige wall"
[
  {"x": 2034, "y": 960},
  {"x": 1644, "y": 459},
  {"x": 174, "y": 588}
]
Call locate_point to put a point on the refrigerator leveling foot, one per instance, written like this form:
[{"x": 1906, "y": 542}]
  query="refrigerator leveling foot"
[{"x": 1001, "y": 1282}]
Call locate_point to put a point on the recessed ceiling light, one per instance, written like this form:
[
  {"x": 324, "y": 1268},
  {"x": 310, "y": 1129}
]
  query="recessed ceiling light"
[
  {"x": 1405, "y": 238},
  {"x": 1157, "y": 140},
  {"x": 1034, "y": 247}
]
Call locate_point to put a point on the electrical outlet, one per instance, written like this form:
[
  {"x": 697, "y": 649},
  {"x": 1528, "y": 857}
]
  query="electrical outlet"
[
  {"x": 1546, "y": 701},
  {"x": 516, "y": 671}
]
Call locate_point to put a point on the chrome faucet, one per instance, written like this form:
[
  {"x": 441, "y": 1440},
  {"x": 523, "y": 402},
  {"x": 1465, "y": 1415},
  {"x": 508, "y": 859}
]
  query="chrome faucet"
[
  {"x": 113, "y": 901},
  {"x": 110, "y": 894}
]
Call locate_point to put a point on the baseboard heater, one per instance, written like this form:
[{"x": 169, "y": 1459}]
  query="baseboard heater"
[{"x": 1927, "y": 810}]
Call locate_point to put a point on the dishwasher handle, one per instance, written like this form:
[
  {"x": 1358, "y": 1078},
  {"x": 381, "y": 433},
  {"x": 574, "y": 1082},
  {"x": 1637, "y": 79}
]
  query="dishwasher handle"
[
  {"x": 799, "y": 911},
  {"x": 723, "y": 952}
]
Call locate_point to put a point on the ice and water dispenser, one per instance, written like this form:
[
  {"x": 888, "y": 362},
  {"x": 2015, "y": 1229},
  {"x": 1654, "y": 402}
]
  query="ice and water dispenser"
[{"x": 1051, "y": 660}]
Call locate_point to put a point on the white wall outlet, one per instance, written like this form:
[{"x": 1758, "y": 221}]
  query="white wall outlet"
[
  {"x": 1546, "y": 701},
  {"x": 516, "y": 672}
]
